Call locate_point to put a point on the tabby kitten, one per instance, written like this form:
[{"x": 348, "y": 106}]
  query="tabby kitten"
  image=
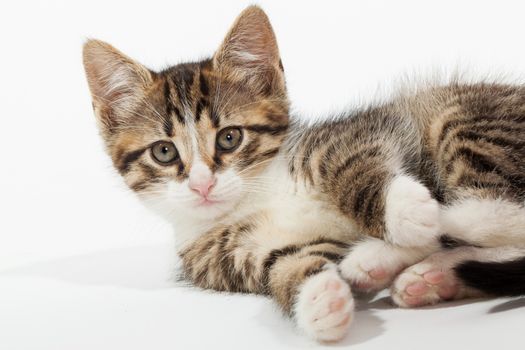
[{"x": 265, "y": 205}]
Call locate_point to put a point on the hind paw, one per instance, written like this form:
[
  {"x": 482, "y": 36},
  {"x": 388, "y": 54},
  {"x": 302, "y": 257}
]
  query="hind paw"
[{"x": 413, "y": 289}]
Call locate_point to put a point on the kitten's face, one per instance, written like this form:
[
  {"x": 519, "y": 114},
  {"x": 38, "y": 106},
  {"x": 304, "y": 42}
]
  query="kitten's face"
[{"x": 192, "y": 139}]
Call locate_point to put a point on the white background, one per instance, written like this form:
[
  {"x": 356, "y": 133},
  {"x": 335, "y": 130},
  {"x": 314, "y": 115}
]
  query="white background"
[{"x": 84, "y": 266}]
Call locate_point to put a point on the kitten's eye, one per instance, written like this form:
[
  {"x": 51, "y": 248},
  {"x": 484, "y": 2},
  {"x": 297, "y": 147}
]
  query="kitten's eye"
[
  {"x": 164, "y": 152},
  {"x": 229, "y": 139}
]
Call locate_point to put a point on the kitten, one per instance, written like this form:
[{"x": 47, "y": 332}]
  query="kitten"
[{"x": 265, "y": 205}]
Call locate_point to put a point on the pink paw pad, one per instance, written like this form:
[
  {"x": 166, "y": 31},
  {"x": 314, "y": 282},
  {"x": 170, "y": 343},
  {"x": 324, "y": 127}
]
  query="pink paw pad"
[
  {"x": 434, "y": 277},
  {"x": 413, "y": 300},
  {"x": 378, "y": 273},
  {"x": 417, "y": 289},
  {"x": 333, "y": 285},
  {"x": 447, "y": 292},
  {"x": 337, "y": 304}
]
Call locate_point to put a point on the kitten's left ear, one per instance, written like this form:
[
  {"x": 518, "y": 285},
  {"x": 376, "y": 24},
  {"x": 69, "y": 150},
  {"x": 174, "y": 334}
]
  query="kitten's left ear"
[{"x": 250, "y": 51}]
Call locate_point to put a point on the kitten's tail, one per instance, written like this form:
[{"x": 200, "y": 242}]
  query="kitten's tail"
[{"x": 494, "y": 278}]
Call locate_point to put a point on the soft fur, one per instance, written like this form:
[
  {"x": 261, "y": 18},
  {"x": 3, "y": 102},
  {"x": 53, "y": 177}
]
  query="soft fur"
[{"x": 294, "y": 210}]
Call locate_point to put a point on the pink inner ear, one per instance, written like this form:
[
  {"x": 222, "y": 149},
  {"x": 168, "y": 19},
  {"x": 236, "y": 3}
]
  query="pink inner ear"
[
  {"x": 250, "y": 42},
  {"x": 114, "y": 79}
]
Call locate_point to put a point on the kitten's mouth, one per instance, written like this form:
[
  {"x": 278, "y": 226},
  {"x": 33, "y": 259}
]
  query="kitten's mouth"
[{"x": 207, "y": 202}]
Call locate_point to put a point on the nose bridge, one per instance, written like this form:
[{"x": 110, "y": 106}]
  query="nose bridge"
[
  {"x": 201, "y": 178},
  {"x": 200, "y": 147},
  {"x": 199, "y": 172}
]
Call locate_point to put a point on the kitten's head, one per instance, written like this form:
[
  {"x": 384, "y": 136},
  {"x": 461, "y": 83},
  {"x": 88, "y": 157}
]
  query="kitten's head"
[{"x": 194, "y": 137}]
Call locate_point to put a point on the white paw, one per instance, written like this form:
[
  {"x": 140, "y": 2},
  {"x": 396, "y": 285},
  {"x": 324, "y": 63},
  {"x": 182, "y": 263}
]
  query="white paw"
[
  {"x": 412, "y": 215},
  {"x": 324, "y": 307},
  {"x": 426, "y": 283},
  {"x": 371, "y": 265},
  {"x": 433, "y": 280}
]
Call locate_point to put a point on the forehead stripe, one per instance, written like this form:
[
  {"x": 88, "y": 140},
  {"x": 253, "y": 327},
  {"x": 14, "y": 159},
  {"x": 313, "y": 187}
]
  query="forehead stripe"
[
  {"x": 183, "y": 80},
  {"x": 167, "y": 123},
  {"x": 214, "y": 117},
  {"x": 198, "y": 110},
  {"x": 170, "y": 109},
  {"x": 203, "y": 84},
  {"x": 179, "y": 116}
]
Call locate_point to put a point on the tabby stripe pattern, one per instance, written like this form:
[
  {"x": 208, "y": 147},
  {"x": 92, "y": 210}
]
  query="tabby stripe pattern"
[{"x": 221, "y": 260}]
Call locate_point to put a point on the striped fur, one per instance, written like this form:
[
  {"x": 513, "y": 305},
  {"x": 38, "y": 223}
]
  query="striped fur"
[
  {"x": 458, "y": 140},
  {"x": 294, "y": 198}
]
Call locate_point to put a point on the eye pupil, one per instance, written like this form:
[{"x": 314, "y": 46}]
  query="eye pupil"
[
  {"x": 228, "y": 139},
  {"x": 164, "y": 152}
]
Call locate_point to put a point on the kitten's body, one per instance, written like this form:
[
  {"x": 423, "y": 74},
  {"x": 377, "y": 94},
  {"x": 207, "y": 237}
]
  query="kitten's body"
[
  {"x": 292, "y": 211},
  {"x": 404, "y": 136}
]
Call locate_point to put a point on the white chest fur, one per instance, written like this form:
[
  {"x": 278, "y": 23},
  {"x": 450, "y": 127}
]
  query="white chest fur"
[
  {"x": 292, "y": 209},
  {"x": 285, "y": 211}
]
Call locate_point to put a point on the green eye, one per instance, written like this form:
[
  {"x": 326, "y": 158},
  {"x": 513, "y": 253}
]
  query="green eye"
[
  {"x": 164, "y": 152},
  {"x": 228, "y": 139}
]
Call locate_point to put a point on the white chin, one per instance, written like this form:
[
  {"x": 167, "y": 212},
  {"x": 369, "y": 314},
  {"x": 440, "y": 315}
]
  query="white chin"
[{"x": 209, "y": 210}]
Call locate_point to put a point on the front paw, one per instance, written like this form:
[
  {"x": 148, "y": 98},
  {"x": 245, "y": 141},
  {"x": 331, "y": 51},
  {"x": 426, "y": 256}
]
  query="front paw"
[
  {"x": 371, "y": 265},
  {"x": 411, "y": 215},
  {"x": 324, "y": 307}
]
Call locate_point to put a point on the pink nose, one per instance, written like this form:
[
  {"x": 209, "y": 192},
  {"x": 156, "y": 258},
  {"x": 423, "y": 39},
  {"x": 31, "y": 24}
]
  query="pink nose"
[{"x": 203, "y": 187}]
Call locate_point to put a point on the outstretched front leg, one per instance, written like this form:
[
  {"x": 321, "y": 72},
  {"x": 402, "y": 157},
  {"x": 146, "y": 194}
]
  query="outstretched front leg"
[
  {"x": 314, "y": 293},
  {"x": 302, "y": 277}
]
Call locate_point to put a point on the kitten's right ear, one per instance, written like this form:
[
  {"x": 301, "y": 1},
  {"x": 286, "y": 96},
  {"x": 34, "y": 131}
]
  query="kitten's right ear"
[{"x": 117, "y": 83}]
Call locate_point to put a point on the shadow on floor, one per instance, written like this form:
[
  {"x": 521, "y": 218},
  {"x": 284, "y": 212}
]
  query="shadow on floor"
[
  {"x": 367, "y": 325},
  {"x": 144, "y": 267},
  {"x": 508, "y": 305},
  {"x": 151, "y": 267}
]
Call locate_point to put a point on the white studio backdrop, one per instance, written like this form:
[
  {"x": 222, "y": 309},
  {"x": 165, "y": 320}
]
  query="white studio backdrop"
[{"x": 72, "y": 237}]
